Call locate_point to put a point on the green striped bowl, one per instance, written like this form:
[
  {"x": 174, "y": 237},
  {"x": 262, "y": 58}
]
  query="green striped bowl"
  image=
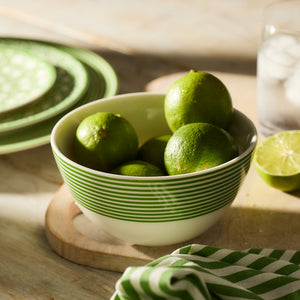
[{"x": 150, "y": 210}]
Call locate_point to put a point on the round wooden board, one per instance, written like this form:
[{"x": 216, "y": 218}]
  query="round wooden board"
[{"x": 101, "y": 251}]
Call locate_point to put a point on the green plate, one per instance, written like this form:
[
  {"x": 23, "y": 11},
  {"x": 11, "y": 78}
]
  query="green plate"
[
  {"x": 103, "y": 83},
  {"x": 70, "y": 85},
  {"x": 24, "y": 78}
]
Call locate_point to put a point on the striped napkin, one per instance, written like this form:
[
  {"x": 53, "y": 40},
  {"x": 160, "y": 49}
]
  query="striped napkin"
[{"x": 202, "y": 272}]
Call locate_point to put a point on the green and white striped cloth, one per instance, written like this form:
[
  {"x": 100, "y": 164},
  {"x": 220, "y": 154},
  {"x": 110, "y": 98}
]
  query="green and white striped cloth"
[{"x": 202, "y": 272}]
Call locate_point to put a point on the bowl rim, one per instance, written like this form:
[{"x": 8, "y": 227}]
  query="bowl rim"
[{"x": 55, "y": 149}]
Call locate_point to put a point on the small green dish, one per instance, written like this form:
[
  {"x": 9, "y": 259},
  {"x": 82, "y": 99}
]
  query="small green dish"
[
  {"x": 24, "y": 78},
  {"x": 103, "y": 82},
  {"x": 70, "y": 85}
]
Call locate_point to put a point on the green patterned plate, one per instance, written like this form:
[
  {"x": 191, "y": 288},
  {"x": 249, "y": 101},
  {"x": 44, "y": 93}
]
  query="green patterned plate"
[
  {"x": 70, "y": 85},
  {"x": 24, "y": 78},
  {"x": 103, "y": 82}
]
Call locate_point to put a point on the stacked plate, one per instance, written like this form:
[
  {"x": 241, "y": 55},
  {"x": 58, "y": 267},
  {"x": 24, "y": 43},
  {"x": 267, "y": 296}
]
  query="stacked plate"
[{"x": 40, "y": 82}]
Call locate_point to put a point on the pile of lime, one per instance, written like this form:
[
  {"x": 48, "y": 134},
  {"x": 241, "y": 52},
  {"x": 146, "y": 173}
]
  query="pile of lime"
[{"x": 198, "y": 110}]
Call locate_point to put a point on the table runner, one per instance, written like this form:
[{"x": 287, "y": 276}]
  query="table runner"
[{"x": 203, "y": 272}]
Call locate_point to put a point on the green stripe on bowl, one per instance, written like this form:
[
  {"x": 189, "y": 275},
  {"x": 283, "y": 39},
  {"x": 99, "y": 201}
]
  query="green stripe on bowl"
[
  {"x": 154, "y": 187},
  {"x": 162, "y": 216},
  {"x": 154, "y": 199},
  {"x": 163, "y": 198},
  {"x": 163, "y": 211},
  {"x": 142, "y": 181},
  {"x": 154, "y": 218},
  {"x": 133, "y": 185}
]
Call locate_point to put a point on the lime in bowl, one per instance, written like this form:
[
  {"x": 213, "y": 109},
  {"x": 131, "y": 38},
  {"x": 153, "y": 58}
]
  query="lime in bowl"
[{"x": 152, "y": 210}]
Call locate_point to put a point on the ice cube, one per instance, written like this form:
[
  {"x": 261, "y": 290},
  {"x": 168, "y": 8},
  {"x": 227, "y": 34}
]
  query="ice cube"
[
  {"x": 282, "y": 41},
  {"x": 292, "y": 87},
  {"x": 270, "y": 99},
  {"x": 270, "y": 70},
  {"x": 278, "y": 54},
  {"x": 274, "y": 62},
  {"x": 294, "y": 50}
]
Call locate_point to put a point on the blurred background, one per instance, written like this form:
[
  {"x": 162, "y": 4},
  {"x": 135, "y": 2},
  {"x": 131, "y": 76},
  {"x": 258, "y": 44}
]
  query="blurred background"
[{"x": 144, "y": 40}]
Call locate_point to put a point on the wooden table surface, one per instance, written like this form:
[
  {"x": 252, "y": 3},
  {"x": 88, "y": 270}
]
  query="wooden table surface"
[{"x": 149, "y": 44}]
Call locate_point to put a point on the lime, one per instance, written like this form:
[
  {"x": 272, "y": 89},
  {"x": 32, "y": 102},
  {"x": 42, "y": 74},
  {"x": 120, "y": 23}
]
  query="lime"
[
  {"x": 153, "y": 150},
  {"x": 138, "y": 168},
  {"x": 277, "y": 160},
  {"x": 104, "y": 140},
  {"x": 198, "y": 97},
  {"x": 198, "y": 146}
]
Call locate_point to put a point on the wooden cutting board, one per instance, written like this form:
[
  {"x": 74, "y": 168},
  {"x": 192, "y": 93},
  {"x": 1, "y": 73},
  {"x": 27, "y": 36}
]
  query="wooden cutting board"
[{"x": 82, "y": 243}]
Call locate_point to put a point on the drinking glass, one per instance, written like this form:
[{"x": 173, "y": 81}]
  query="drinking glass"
[{"x": 278, "y": 68}]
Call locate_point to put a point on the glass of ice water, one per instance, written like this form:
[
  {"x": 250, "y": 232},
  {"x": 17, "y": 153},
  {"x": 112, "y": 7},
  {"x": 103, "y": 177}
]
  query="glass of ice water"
[{"x": 278, "y": 68}]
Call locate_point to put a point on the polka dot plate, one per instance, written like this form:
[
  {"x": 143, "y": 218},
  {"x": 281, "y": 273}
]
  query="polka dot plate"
[
  {"x": 103, "y": 82},
  {"x": 70, "y": 85},
  {"x": 24, "y": 78}
]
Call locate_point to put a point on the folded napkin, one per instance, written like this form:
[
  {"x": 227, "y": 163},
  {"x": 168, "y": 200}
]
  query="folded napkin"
[{"x": 202, "y": 272}]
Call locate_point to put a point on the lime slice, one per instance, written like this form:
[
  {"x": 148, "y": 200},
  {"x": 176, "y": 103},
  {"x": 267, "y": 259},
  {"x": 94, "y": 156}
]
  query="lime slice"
[{"x": 277, "y": 160}]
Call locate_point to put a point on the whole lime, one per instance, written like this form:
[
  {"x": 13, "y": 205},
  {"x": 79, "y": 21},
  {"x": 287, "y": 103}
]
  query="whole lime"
[
  {"x": 198, "y": 146},
  {"x": 138, "y": 168},
  {"x": 104, "y": 140},
  {"x": 153, "y": 150},
  {"x": 198, "y": 97}
]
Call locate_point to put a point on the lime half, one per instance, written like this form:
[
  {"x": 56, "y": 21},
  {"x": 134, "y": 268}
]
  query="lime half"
[{"x": 277, "y": 160}]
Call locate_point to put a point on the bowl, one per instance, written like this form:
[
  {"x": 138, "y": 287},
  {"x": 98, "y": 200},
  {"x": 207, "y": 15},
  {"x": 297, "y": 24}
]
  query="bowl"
[{"x": 150, "y": 211}]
